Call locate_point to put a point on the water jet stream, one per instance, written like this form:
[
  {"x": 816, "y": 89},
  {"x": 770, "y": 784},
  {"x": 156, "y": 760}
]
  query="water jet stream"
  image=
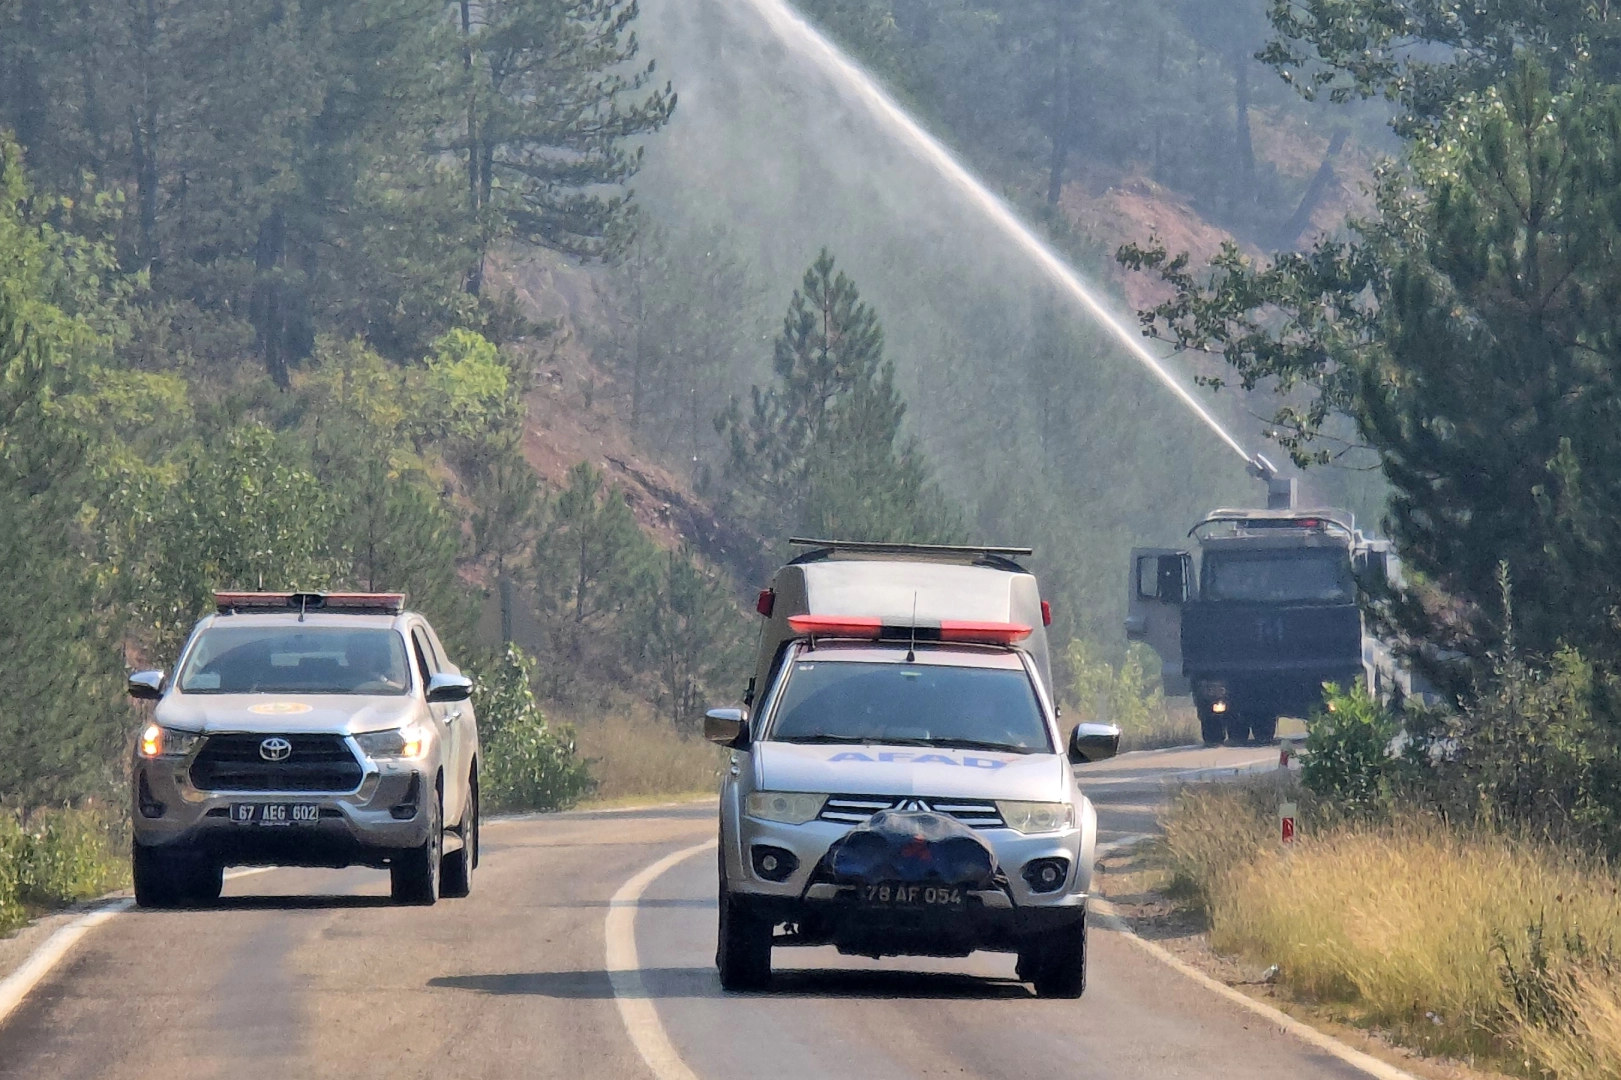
[{"x": 794, "y": 31}]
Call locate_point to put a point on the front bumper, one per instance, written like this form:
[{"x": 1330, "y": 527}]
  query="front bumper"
[
  {"x": 362, "y": 827},
  {"x": 822, "y": 912}
]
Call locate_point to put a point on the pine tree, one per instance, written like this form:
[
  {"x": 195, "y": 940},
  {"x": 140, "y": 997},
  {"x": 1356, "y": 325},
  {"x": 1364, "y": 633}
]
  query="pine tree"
[{"x": 821, "y": 450}]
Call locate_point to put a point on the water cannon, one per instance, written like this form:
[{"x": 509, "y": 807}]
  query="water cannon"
[{"x": 1280, "y": 490}]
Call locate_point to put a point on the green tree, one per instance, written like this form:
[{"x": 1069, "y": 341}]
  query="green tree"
[
  {"x": 687, "y": 629},
  {"x": 554, "y": 98},
  {"x": 1471, "y": 334},
  {"x": 821, "y": 450},
  {"x": 529, "y": 764}
]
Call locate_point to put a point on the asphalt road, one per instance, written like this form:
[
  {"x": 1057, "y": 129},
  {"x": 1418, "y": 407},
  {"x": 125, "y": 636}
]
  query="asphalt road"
[{"x": 303, "y": 974}]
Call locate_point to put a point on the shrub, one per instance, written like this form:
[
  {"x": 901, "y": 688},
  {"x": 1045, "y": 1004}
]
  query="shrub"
[
  {"x": 57, "y": 856},
  {"x": 1350, "y": 754},
  {"x": 528, "y": 763}
]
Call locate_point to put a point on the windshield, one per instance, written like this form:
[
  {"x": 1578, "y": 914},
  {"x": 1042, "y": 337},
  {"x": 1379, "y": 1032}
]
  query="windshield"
[
  {"x": 911, "y": 704},
  {"x": 1321, "y": 575},
  {"x": 296, "y": 660}
]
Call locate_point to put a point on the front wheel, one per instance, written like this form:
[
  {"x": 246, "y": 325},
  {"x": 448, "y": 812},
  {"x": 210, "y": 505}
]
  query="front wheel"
[
  {"x": 168, "y": 879},
  {"x": 1265, "y": 729},
  {"x": 1056, "y": 964},
  {"x": 456, "y": 870},
  {"x": 414, "y": 873},
  {"x": 743, "y": 944},
  {"x": 1212, "y": 726}
]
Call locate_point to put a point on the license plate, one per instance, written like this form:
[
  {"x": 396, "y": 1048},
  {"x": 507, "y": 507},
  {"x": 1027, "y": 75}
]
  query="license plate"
[
  {"x": 275, "y": 814},
  {"x": 898, "y": 894}
]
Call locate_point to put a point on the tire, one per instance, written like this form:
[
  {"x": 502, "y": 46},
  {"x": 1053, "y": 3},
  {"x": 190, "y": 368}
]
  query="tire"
[
  {"x": 158, "y": 882},
  {"x": 414, "y": 872},
  {"x": 1057, "y": 964},
  {"x": 1212, "y": 726},
  {"x": 456, "y": 868},
  {"x": 1265, "y": 729},
  {"x": 742, "y": 943},
  {"x": 1238, "y": 727},
  {"x": 204, "y": 881}
]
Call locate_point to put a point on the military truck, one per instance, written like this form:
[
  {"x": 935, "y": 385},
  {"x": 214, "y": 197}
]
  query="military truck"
[{"x": 1255, "y": 617}]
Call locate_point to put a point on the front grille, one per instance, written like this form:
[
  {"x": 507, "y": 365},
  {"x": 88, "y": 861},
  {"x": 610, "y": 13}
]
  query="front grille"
[
  {"x": 854, "y": 809},
  {"x": 315, "y": 763}
]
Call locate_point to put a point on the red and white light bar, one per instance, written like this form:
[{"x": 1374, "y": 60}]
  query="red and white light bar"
[
  {"x": 353, "y": 603},
  {"x": 872, "y": 628}
]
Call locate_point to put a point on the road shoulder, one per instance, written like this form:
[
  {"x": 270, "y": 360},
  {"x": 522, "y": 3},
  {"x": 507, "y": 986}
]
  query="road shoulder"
[{"x": 1131, "y": 881}]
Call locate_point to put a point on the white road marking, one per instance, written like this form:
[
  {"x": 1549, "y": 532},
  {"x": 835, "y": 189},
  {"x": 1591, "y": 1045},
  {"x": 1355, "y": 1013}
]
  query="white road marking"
[
  {"x": 1305, "y": 1032},
  {"x": 625, "y": 974},
  {"x": 14, "y": 988}
]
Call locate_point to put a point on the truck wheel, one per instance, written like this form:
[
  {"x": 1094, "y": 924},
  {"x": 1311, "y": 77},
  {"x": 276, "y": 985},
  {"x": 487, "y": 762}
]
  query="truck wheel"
[
  {"x": 1212, "y": 726},
  {"x": 205, "y": 878},
  {"x": 414, "y": 872},
  {"x": 1057, "y": 963},
  {"x": 158, "y": 880},
  {"x": 456, "y": 871},
  {"x": 1238, "y": 727},
  {"x": 743, "y": 942},
  {"x": 1265, "y": 729}
]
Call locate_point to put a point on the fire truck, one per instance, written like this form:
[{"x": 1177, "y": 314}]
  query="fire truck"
[{"x": 1261, "y": 610}]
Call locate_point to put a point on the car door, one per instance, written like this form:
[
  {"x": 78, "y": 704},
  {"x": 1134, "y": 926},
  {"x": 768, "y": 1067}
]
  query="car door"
[
  {"x": 446, "y": 717},
  {"x": 1158, "y": 585}
]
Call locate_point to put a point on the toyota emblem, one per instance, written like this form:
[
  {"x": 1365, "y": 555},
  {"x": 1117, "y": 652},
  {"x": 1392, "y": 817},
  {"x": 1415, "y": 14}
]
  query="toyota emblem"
[{"x": 275, "y": 748}]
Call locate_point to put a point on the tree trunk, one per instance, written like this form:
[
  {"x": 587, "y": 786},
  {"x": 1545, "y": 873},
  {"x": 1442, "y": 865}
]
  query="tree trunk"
[
  {"x": 1241, "y": 125},
  {"x": 1061, "y": 122},
  {"x": 144, "y": 132},
  {"x": 28, "y": 88},
  {"x": 474, "y": 280},
  {"x": 504, "y": 586}
]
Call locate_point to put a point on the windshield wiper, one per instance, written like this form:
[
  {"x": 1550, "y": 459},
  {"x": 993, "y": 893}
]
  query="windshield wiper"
[{"x": 981, "y": 744}]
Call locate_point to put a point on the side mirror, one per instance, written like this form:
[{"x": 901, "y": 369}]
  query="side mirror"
[
  {"x": 725, "y": 726},
  {"x": 445, "y": 687},
  {"x": 146, "y": 685},
  {"x": 1093, "y": 742}
]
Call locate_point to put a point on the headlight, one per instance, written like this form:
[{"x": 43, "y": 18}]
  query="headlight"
[
  {"x": 788, "y": 807},
  {"x": 1037, "y": 817},
  {"x": 410, "y": 741},
  {"x": 166, "y": 742}
]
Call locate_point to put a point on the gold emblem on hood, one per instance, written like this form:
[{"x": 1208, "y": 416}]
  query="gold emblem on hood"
[{"x": 279, "y": 708}]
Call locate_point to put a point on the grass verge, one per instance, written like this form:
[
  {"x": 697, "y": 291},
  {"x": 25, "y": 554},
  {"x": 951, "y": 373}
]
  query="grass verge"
[
  {"x": 634, "y": 755},
  {"x": 1475, "y": 945},
  {"x": 51, "y": 858}
]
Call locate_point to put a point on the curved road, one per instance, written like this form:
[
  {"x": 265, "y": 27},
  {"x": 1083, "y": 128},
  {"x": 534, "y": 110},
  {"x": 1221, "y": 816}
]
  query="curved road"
[{"x": 302, "y": 974}]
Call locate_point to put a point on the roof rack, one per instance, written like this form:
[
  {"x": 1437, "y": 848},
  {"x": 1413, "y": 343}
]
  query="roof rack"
[
  {"x": 983, "y": 554},
  {"x": 1255, "y": 520},
  {"x": 346, "y": 603}
]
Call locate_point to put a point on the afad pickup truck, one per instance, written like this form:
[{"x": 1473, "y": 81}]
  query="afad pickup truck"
[{"x": 899, "y": 783}]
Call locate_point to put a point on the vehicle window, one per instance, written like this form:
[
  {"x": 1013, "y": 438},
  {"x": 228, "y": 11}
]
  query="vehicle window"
[
  {"x": 910, "y": 704},
  {"x": 1319, "y": 576},
  {"x": 424, "y": 655},
  {"x": 296, "y": 660}
]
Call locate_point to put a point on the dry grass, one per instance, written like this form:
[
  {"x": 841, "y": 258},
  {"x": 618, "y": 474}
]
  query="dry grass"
[
  {"x": 1459, "y": 943},
  {"x": 634, "y": 754},
  {"x": 1170, "y": 725}
]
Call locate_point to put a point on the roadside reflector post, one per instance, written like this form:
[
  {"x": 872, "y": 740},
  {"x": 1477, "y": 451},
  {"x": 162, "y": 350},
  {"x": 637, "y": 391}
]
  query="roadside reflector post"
[
  {"x": 1288, "y": 751},
  {"x": 1286, "y": 822}
]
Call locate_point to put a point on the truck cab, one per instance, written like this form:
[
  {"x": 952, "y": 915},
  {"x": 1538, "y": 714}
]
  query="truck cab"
[{"x": 1258, "y": 615}]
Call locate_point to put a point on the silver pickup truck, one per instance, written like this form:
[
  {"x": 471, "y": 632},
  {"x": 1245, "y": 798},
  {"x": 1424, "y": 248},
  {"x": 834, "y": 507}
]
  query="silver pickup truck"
[
  {"x": 306, "y": 729},
  {"x": 899, "y": 784}
]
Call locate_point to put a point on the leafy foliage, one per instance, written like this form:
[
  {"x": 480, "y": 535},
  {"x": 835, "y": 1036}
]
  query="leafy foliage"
[
  {"x": 820, "y": 452},
  {"x": 529, "y": 764}
]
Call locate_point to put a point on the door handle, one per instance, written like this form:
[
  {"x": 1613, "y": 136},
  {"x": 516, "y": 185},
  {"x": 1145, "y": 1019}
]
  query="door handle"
[{"x": 451, "y": 717}]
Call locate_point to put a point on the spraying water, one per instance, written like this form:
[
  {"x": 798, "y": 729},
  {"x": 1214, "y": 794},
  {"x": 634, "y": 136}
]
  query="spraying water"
[{"x": 793, "y": 31}]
